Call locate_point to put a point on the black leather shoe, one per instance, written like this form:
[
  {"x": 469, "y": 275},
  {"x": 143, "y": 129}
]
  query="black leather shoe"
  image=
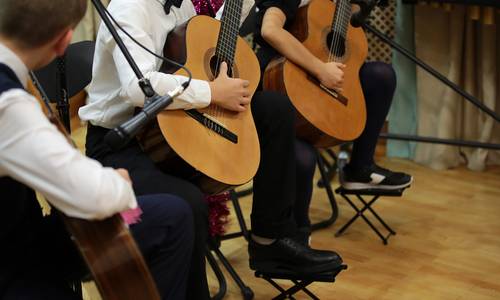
[{"x": 290, "y": 255}]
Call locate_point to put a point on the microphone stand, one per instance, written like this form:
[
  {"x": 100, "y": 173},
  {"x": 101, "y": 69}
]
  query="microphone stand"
[
  {"x": 120, "y": 136},
  {"x": 144, "y": 83},
  {"x": 62, "y": 90}
]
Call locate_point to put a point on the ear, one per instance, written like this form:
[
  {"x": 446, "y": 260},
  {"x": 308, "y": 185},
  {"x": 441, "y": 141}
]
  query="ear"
[{"x": 62, "y": 42}]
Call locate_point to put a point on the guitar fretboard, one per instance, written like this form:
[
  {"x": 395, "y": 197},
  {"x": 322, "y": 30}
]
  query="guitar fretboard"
[
  {"x": 228, "y": 35},
  {"x": 340, "y": 25}
]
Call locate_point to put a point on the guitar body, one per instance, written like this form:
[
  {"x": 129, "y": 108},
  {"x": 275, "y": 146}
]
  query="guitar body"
[
  {"x": 113, "y": 258},
  {"x": 213, "y": 162},
  {"x": 322, "y": 119}
]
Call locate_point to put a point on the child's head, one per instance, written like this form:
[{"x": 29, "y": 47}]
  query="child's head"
[{"x": 40, "y": 24}]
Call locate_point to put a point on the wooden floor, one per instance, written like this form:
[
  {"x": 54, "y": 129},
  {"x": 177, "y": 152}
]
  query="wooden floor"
[{"x": 447, "y": 244}]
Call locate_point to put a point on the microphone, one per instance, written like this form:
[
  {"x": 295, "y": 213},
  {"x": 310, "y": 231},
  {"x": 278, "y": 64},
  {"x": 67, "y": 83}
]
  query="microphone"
[
  {"x": 359, "y": 18},
  {"x": 120, "y": 136}
]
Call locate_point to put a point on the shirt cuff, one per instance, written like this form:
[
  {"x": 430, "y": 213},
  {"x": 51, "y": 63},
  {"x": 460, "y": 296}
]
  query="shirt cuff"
[{"x": 197, "y": 95}]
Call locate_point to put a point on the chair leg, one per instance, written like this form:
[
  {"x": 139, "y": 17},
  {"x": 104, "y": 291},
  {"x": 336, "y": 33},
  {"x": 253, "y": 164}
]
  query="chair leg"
[
  {"x": 239, "y": 214},
  {"x": 331, "y": 169},
  {"x": 220, "y": 276},
  {"x": 331, "y": 197},
  {"x": 360, "y": 213},
  {"x": 245, "y": 290},
  {"x": 377, "y": 216}
]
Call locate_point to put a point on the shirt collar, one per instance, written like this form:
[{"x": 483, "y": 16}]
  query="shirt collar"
[{"x": 13, "y": 61}]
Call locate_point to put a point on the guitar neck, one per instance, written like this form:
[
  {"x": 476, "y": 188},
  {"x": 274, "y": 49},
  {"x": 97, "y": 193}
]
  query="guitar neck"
[
  {"x": 339, "y": 28},
  {"x": 342, "y": 17},
  {"x": 228, "y": 35}
]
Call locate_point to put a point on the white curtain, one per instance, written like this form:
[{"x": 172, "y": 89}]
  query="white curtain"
[
  {"x": 467, "y": 52},
  {"x": 87, "y": 29}
]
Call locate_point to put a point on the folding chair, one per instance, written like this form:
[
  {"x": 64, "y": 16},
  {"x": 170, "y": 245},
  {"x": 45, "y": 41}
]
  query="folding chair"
[
  {"x": 366, "y": 205},
  {"x": 68, "y": 75},
  {"x": 300, "y": 282}
]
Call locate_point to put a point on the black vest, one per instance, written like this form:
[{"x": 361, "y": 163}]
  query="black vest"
[{"x": 19, "y": 209}]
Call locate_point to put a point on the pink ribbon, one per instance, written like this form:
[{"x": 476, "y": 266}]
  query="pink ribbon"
[{"x": 132, "y": 216}]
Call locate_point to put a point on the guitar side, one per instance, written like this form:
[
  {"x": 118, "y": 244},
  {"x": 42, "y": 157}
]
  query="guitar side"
[{"x": 113, "y": 257}]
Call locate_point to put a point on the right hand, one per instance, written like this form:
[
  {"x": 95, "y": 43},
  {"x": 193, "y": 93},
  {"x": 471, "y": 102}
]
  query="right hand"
[
  {"x": 230, "y": 93},
  {"x": 124, "y": 174},
  {"x": 331, "y": 75}
]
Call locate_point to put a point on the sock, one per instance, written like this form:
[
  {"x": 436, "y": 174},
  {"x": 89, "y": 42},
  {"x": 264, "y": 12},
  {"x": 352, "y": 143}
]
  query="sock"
[{"x": 261, "y": 240}]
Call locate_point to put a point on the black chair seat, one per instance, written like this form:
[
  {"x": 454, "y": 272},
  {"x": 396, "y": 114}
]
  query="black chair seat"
[{"x": 80, "y": 57}]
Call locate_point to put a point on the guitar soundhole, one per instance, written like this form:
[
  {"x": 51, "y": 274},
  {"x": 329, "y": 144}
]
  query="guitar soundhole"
[
  {"x": 215, "y": 63},
  {"x": 336, "y": 44}
]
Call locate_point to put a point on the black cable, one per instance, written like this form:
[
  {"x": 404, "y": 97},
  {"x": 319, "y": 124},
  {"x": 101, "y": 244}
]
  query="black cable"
[{"x": 172, "y": 62}]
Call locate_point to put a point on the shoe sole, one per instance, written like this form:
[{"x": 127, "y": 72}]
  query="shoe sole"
[
  {"x": 276, "y": 267},
  {"x": 367, "y": 186}
]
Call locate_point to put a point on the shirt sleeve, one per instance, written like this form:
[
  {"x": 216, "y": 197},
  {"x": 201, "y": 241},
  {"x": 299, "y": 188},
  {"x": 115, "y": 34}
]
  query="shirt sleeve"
[
  {"x": 32, "y": 151},
  {"x": 197, "y": 95}
]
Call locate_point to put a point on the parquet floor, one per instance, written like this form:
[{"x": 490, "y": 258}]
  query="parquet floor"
[{"x": 447, "y": 244}]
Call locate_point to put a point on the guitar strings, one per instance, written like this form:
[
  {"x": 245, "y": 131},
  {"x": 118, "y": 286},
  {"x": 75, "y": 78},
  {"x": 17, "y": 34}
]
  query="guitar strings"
[
  {"x": 333, "y": 43},
  {"x": 226, "y": 44},
  {"x": 339, "y": 30},
  {"x": 336, "y": 27},
  {"x": 343, "y": 25}
]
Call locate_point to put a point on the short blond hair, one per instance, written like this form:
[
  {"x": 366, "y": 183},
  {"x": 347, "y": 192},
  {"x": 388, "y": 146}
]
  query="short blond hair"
[{"x": 32, "y": 23}]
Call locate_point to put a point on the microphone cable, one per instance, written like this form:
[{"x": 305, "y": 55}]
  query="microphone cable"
[{"x": 170, "y": 61}]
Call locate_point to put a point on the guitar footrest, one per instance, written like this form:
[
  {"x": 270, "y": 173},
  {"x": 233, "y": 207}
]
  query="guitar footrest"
[{"x": 300, "y": 282}]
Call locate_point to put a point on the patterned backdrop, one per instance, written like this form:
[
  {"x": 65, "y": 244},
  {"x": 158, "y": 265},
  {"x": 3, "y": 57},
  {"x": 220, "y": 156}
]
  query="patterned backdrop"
[{"x": 384, "y": 20}]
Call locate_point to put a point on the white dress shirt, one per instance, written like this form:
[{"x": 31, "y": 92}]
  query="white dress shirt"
[
  {"x": 33, "y": 152},
  {"x": 114, "y": 91}
]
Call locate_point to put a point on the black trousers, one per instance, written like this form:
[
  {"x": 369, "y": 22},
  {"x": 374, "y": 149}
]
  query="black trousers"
[
  {"x": 164, "y": 235},
  {"x": 147, "y": 178},
  {"x": 274, "y": 183}
]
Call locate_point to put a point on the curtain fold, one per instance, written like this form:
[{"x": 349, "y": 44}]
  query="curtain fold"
[
  {"x": 403, "y": 114},
  {"x": 466, "y": 52}
]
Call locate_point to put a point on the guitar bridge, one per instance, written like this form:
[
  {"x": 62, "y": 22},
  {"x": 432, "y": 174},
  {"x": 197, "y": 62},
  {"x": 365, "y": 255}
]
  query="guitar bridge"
[
  {"x": 213, "y": 124},
  {"x": 336, "y": 95}
]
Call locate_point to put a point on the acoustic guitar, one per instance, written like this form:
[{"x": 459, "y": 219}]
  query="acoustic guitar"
[
  {"x": 213, "y": 147},
  {"x": 107, "y": 246},
  {"x": 325, "y": 117}
]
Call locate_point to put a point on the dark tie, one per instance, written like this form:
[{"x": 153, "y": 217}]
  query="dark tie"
[{"x": 207, "y": 7}]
